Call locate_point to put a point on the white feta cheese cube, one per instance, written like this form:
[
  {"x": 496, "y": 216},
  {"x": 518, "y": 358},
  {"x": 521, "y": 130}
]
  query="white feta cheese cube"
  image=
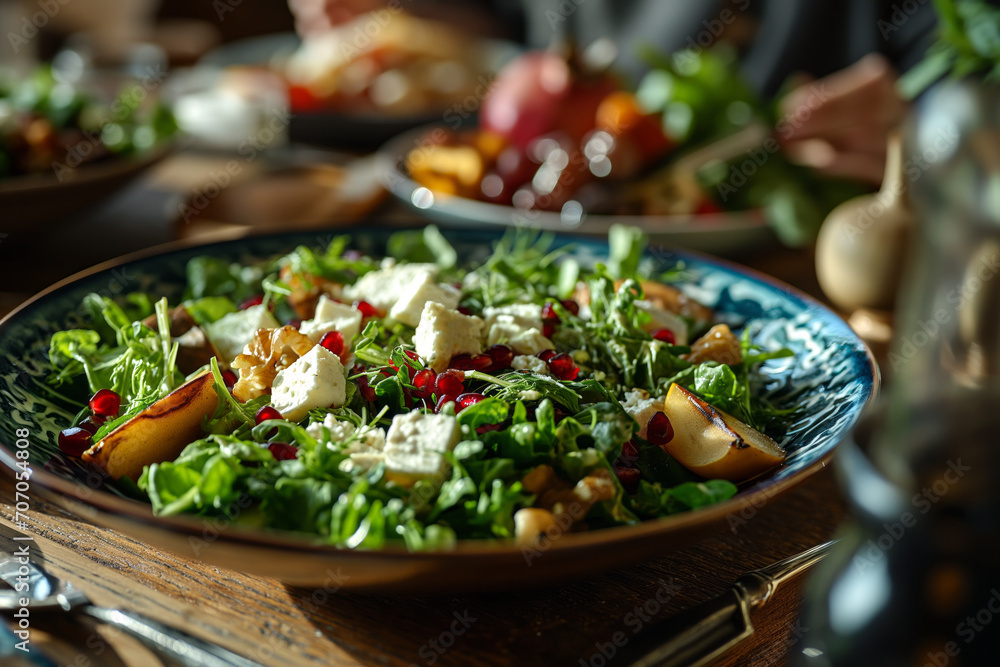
[
  {"x": 332, "y": 316},
  {"x": 363, "y": 446},
  {"x": 525, "y": 315},
  {"x": 231, "y": 333},
  {"x": 641, "y": 407},
  {"x": 442, "y": 333},
  {"x": 416, "y": 444},
  {"x": 507, "y": 331},
  {"x": 664, "y": 319},
  {"x": 530, "y": 363},
  {"x": 314, "y": 380},
  {"x": 381, "y": 288},
  {"x": 414, "y": 295}
]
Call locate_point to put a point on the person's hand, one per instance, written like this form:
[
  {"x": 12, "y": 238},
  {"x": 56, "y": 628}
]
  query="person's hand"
[
  {"x": 839, "y": 124},
  {"x": 314, "y": 16}
]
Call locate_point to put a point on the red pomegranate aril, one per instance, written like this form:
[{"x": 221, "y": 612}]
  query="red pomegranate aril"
[
  {"x": 105, "y": 403},
  {"x": 443, "y": 401},
  {"x": 630, "y": 453},
  {"x": 91, "y": 424},
  {"x": 665, "y": 335},
  {"x": 464, "y": 310},
  {"x": 295, "y": 324},
  {"x": 465, "y": 400},
  {"x": 563, "y": 366},
  {"x": 423, "y": 383},
  {"x": 74, "y": 441},
  {"x": 549, "y": 313},
  {"x": 571, "y": 305},
  {"x": 450, "y": 383},
  {"x": 252, "y": 301},
  {"x": 229, "y": 378},
  {"x": 545, "y": 355},
  {"x": 367, "y": 310},
  {"x": 629, "y": 477},
  {"x": 367, "y": 392},
  {"x": 548, "y": 329},
  {"x": 486, "y": 428},
  {"x": 265, "y": 413},
  {"x": 659, "y": 430},
  {"x": 481, "y": 362},
  {"x": 282, "y": 451},
  {"x": 462, "y": 362},
  {"x": 333, "y": 341},
  {"x": 502, "y": 357}
]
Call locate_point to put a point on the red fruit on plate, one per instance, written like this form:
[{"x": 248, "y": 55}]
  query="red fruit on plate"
[
  {"x": 423, "y": 383},
  {"x": 367, "y": 310},
  {"x": 545, "y": 355},
  {"x": 74, "y": 441},
  {"x": 659, "y": 430},
  {"x": 450, "y": 382},
  {"x": 105, "y": 403},
  {"x": 91, "y": 424},
  {"x": 229, "y": 378},
  {"x": 549, "y": 313},
  {"x": 465, "y": 400},
  {"x": 252, "y": 301},
  {"x": 367, "y": 391},
  {"x": 282, "y": 451},
  {"x": 548, "y": 329},
  {"x": 443, "y": 401},
  {"x": 665, "y": 335},
  {"x": 571, "y": 305},
  {"x": 502, "y": 356},
  {"x": 563, "y": 367},
  {"x": 629, "y": 478},
  {"x": 265, "y": 413},
  {"x": 333, "y": 341}
]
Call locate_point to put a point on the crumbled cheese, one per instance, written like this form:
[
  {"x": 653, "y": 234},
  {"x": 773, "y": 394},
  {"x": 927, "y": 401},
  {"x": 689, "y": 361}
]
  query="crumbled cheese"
[
  {"x": 529, "y": 395},
  {"x": 414, "y": 295},
  {"x": 525, "y": 315},
  {"x": 416, "y": 444},
  {"x": 382, "y": 288},
  {"x": 664, "y": 319},
  {"x": 442, "y": 333},
  {"x": 524, "y": 362},
  {"x": 641, "y": 407},
  {"x": 505, "y": 330},
  {"x": 332, "y": 316},
  {"x": 231, "y": 333},
  {"x": 314, "y": 380}
]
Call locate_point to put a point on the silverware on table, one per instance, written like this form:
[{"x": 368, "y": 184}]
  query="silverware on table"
[
  {"x": 695, "y": 636},
  {"x": 50, "y": 594}
]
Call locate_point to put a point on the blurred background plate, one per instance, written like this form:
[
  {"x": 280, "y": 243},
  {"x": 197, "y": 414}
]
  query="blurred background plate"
[
  {"x": 727, "y": 234},
  {"x": 831, "y": 378}
]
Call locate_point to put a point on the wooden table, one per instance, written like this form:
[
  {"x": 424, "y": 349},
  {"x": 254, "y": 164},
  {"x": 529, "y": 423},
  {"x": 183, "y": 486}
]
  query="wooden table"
[{"x": 280, "y": 625}]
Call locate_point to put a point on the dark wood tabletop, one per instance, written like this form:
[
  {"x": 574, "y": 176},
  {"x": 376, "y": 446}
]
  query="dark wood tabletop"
[{"x": 276, "y": 624}]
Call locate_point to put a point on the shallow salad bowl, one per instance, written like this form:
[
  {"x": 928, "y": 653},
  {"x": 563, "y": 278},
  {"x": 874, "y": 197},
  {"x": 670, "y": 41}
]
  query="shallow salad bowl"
[{"x": 832, "y": 377}]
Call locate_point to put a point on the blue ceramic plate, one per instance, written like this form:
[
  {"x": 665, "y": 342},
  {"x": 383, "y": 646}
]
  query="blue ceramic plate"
[{"x": 831, "y": 377}]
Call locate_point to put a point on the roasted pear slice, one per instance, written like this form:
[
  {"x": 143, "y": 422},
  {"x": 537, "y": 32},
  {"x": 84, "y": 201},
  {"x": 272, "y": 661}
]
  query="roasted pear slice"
[
  {"x": 710, "y": 443},
  {"x": 159, "y": 432}
]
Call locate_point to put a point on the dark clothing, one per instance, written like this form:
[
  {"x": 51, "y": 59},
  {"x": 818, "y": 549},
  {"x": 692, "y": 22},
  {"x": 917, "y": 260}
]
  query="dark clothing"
[{"x": 817, "y": 37}]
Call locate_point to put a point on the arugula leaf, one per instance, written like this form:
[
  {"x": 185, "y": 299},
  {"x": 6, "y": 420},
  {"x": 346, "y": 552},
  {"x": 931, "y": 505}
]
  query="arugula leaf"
[
  {"x": 626, "y": 246},
  {"x": 422, "y": 245},
  {"x": 209, "y": 309}
]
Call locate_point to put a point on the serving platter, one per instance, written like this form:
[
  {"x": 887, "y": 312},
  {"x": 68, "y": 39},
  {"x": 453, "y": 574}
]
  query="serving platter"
[
  {"x": 832, "y": 377},
  {"x": 728, "y": 233}
]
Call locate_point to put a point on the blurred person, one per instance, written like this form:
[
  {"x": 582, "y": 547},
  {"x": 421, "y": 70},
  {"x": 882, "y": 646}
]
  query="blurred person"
[{"x": 844, "y": 56}]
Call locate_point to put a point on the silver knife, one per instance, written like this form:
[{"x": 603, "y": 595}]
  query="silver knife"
[{"x": 694, "y": 637}]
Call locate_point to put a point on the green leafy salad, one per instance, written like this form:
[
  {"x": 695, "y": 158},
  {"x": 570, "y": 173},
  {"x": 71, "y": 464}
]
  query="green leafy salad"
[{"x": 414, "y": 401}]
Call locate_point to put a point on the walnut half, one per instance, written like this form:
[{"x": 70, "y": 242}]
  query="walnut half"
[{"x": 262, "y": 358}]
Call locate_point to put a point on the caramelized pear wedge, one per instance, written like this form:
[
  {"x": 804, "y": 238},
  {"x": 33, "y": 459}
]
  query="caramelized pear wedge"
[
  {"x": 713, "y": 444},
  {"x": 158, "y": 433}
]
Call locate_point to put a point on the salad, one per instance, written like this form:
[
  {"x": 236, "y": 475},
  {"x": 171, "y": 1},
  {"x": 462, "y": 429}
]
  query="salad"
[
  {"x": 48, "y": 125},
  {"x": 415, "y": 401}
]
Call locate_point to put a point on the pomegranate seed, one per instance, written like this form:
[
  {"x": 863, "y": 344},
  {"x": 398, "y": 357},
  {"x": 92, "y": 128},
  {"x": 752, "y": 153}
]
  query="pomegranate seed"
[
  {"x": 465, "y": 400},
  {"x": 423, "y": 383},
  {"x": 282, "y": 451},
  {"x": 659, "y": 430},
  {"x": 464, "y": 310},
  {"x": 549, "y": 313},
  {"x": 367, "y": 310},
  {"x": 229, "y": 378},
  {"x": 265, "y": 413},
  {"x": 502, "y": 357},
  {"x": 74, "y": 441},
  {"x": 91, "y": 424},
  {"x": 367, "y": 392},
  {"x": 481, "y": 362},
  {"x": 443, "y": 401},
  {"x": 571, "y": 305},
  {"x": 333, "y": 341},
  {"x": 449, "y": 383},
  {"x": 666, "y": 335},
  {"x": 630, "y": 453},
  {"x": 252, "y": 301},
  {"x": 486, "y": 428},
  {"x": 467, "y": 362},
  {"x": 295, "y": 324},
  {"x": 563, "y": 366},
  {"x": 545, "y": 355},
  {"x": 548, "y": 329},
  {"x": 106, "y": 403},
  {"x": 629, "y": 477}
]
